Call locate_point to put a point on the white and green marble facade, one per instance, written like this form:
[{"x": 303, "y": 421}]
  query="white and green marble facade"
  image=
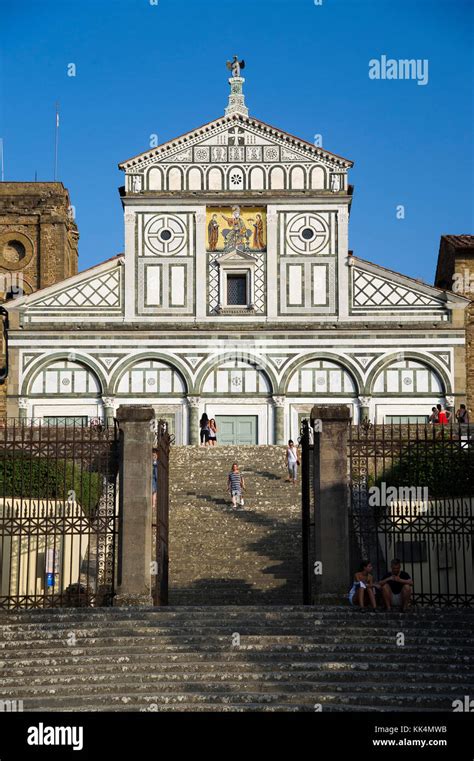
[{"x": 320, "y": 325}]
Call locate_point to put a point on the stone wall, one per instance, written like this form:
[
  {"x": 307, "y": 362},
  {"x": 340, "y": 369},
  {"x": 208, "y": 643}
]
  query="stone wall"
[
  {"x": 455, "y": 272},
  {"x": 38, "y": 241}
]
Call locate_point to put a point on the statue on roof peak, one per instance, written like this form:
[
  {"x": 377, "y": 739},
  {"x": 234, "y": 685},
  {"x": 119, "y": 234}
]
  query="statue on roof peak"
[{"x": 235, "y": 66}]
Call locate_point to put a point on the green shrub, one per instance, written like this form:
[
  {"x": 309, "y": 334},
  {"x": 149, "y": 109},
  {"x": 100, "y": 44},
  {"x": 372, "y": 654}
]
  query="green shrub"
[
  {"x": 442, "y": 466},
  {"x": 42, "y": 478}
]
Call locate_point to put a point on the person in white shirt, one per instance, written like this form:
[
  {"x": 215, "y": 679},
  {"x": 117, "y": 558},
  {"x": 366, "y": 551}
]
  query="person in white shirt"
[{"x": 292, "y": 461}]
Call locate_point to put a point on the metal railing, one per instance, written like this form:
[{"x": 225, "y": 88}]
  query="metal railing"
[
  {"x": 58, "y": 513},
  {"x": 412, "y": 497},
  {"x": 162, "y": 443}
]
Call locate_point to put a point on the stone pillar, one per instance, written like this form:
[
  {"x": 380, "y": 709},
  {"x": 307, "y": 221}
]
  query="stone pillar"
[
  {"x": 109, "y": 409},
  {"x": 135, "y": 539},
  {"x": 331, "y": 494},
  {"x": 364, "y": 408},
  {"x": 279, "y": 403},
  {"x": 450, "y": 406},
  {"x": 22, "y": 408},
  {"x": 193, "y": 402}
]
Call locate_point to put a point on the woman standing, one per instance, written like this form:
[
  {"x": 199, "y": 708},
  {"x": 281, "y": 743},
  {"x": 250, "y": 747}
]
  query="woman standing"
[
  {"x": 212, "y": 432},
  {"x": 204, "y": 429},
  {"x": 292, "y": 461},
  {"x": 462, "y": 415}
]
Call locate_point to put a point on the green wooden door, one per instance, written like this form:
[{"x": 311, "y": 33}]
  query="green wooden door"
[{"x": 236, "y": 429}]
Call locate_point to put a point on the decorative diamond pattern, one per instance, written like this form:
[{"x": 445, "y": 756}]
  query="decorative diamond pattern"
[
  {"x": 373, "y": 291},
  {"x": 259, "y": 284},
  {"x": 99, "y": 292}
]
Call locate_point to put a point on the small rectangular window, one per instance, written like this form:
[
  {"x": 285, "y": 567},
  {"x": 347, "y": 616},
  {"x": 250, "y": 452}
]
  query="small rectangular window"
[{"x": 236, "y": 290}]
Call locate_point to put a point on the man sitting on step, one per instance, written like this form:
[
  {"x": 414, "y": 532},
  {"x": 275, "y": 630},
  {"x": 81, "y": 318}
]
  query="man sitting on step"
[{"x": 396, "y": 586}]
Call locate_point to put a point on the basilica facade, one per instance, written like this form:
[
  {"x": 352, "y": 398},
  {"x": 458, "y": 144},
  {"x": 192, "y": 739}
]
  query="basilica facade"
[{"x": 237, "y": 295}]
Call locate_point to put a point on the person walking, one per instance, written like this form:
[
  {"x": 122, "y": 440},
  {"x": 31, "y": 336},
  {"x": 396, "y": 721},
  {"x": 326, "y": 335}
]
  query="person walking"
[
  {"x": 235, "y": 485},
  {"x": 204, "y": 430},
  {"x": 292, "y": 461},
  {"x": 212, "y": 432}
]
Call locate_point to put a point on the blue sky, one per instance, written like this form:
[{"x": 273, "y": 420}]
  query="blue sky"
[{"x": 144, "y": 68}]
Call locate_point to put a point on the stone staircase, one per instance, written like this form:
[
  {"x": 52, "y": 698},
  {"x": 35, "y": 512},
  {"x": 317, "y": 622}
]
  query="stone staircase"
[
  {"x": 236, "y": 658},
  {"x": 219, "y": 555}
]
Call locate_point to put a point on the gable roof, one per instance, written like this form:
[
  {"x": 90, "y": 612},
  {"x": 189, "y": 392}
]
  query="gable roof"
[
  {"x": 313, "y": 151},
  {"x": 459, "y": 241},
  {"x": 404, "y": 289},
  {"x": 69, "y": 282}
]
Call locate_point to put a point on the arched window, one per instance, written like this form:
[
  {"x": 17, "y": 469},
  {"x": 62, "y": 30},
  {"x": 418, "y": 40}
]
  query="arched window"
[
  {"x": 321, "y": 377},
  {"x": 236, "y": 377},
  {"x": 151, "y": 377},
  {"x": 407, "y": 377},
  {"x": 65, "y": 377}
]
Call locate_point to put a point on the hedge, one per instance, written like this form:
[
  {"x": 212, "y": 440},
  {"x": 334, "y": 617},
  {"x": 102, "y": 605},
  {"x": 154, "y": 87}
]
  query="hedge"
[
  {"x": 42, "y": 478},
  {"x": 442, "y": 466}
]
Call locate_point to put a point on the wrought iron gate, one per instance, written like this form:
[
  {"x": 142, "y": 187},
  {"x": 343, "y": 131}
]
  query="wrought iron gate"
[
  {"x": 307, "y": 509},
  {"x": 58, "y": 514},
  {"x": 412, "y": 497},
  {"x": 161, "y": 514}
]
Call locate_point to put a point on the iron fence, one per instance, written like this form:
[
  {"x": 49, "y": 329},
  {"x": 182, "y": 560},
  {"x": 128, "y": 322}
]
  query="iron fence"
[
  {"x": 412, "y": 497},
  {"x": 162, "y": 443},
  {"x": 58, "y": 513},
  {"x": 305, "y": 441}
]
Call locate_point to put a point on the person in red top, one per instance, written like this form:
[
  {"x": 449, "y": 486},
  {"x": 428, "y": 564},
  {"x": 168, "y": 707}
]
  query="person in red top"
[{"x": 443, "y": 415}]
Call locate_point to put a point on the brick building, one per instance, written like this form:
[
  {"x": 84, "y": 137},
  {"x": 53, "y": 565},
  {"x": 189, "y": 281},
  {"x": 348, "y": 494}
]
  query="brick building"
[
  {"x": 455, "y": 272},
  {"x": 38, "y": 241}
]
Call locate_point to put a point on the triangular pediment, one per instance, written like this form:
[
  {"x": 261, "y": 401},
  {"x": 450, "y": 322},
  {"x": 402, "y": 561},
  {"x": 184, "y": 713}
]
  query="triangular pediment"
[
  {"x": 237, "y": 257},
  {"x": 375, "y": 289},
  {"x": 96, "y": 291},
  {"x": 235, "y": 138}
]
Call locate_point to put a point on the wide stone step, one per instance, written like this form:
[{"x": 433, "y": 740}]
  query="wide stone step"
[
  {"x": 251, "y": 631},
  {"x": 124, "y": 678},
  {"x": 290, "y": 658},
  {"x": 222, "y": 651},
  {"x": 92, "y": 667},
  {"x": 251, "y": 708},
  {"x": 210, "y": 615},
  {"x": 146, "y": 699},
  {"x": 193, "y": 636},
  {"x": 203, "y": 687},
  {"x": 360, "y": 626}
]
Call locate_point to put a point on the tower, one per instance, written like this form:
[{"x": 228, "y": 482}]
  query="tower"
[
  {"x": 38, "y": 241},
  {"x": 38, "y": 236}
]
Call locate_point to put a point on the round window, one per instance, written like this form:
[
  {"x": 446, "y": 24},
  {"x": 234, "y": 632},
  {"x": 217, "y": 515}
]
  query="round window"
[
  {"x": 165, "y": 234},
  {"x": 307, "y": 233},
  {"x": 14, "y": 251}
]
